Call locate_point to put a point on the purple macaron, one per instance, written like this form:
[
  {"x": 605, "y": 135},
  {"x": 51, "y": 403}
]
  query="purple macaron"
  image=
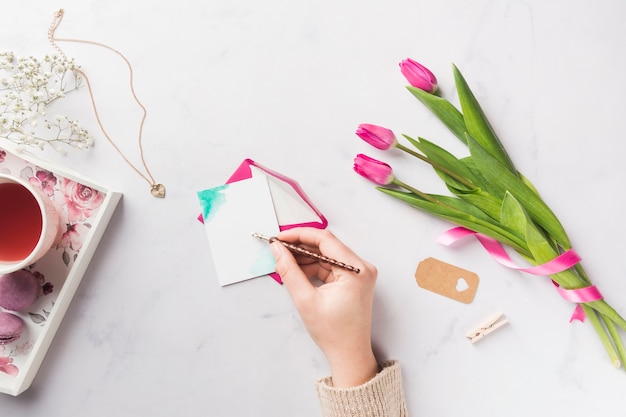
[
  {"x": 11, "y": 327},
  {"x": 18, "y": 290}
]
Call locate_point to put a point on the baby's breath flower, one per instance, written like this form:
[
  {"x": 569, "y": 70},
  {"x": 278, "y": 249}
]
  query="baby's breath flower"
[{"x": 27, "y": 87}]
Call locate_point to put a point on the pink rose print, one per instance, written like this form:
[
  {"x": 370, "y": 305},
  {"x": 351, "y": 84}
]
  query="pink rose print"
[
  {"x": 81, "y": 200},
  {"x": 44, "y": 180},
  {"x": 3, "y": 154},
  {"x": 6, "y": 366},
  {"x": 72, "y": 237}
]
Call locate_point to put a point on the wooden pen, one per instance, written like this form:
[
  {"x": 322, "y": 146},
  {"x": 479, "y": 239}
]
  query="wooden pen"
[{"x": 302, "y": 251}]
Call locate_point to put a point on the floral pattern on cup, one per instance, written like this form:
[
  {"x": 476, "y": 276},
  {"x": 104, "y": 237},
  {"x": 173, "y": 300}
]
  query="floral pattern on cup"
[{"x": 76, "y": 202}]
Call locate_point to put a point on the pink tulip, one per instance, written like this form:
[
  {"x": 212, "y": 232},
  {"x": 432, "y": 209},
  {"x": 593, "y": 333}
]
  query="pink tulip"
[
  {"x": 418, "y": 75},
  {"x": 376, "y": 171},
  {"x": 377, "y": 136}
]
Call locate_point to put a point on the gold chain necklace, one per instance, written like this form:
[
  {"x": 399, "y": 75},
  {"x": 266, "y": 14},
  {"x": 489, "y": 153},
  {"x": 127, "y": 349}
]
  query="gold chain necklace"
[{"x": 157, "y": 190}]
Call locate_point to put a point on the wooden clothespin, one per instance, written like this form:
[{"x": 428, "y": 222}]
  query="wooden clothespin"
[{"x": 492, "y": 324}]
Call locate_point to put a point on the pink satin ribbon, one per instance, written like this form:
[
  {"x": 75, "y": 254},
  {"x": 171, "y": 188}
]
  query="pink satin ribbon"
[
  {"x": 559, "y": 264},
  {"x": 579, "y": 295}
]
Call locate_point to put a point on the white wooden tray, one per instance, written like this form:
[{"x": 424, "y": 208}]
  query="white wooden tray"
[{"x": 86, "y": 208}]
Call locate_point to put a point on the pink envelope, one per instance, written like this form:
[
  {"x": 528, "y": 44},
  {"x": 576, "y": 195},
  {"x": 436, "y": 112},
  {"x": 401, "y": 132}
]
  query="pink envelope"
[{"x": 293, "y": 208}]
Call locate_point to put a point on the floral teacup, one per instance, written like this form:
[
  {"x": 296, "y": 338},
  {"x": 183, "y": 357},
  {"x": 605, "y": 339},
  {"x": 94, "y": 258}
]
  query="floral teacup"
[{"x": 29, "y": 224}]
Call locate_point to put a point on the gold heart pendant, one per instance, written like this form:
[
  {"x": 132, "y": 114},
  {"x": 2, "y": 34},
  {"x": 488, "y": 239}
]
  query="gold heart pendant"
[{"x": 158, "y": 190}]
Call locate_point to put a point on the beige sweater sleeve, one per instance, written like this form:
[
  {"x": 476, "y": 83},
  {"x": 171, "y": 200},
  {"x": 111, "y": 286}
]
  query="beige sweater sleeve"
[{"x": 382, "y": 396}]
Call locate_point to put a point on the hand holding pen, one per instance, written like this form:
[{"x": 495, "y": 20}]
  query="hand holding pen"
[
  {"x": 338, "y": 313},
  {"x": 299, "y": 250}
]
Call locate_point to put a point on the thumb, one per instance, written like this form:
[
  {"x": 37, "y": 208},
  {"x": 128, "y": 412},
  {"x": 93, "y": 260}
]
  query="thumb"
[{"x": 297, "y": 283}]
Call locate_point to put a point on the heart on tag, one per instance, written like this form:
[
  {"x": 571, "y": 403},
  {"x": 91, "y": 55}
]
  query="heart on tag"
[
  {"x": 461, "y": 285},
  {"x": 447, "y": 280},
  {"x": 158, "y": 190}
]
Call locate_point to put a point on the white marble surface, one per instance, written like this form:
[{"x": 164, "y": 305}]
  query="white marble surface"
[{"x": 150, "y": 331}]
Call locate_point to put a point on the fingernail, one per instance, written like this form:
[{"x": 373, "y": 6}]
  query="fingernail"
[{"x": 275, "y": 250}]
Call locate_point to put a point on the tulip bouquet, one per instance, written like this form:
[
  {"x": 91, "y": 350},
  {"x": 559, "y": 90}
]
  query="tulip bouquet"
[{"x": 490, "y": 199}]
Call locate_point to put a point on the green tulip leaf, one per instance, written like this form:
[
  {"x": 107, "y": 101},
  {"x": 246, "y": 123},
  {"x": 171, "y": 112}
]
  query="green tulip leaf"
[
  {"x": 527, "y": 182},
  {"x": 463, "y": 214},
  {"x": 477, "y": 124},
  {"x": 444, "y": 110},
  {"x": 479, "y": 178},
  {"x": 482, "y": 200},
  {"x": 445, "y": 159},
  {"x": 513, "y": 214},
  {"x": 503, "y": 180}
]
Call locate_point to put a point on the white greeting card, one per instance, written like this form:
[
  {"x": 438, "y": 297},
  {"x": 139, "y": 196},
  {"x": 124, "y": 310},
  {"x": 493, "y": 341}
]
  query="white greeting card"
[{"x": 231, "y": 213}]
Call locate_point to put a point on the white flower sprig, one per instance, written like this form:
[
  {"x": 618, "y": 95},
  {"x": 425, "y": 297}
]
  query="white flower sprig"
[{"x": 27, "y": 87}]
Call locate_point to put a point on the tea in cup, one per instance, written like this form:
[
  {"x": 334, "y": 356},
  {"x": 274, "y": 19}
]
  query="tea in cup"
[{"x": 29, "y": 224}]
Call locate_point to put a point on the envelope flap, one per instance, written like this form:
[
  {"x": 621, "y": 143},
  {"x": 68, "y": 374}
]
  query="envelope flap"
[
  {"x": 293, "y": 207},
  {"x": 289, "y": 206},
  {"x": 242, "y": 172}
]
